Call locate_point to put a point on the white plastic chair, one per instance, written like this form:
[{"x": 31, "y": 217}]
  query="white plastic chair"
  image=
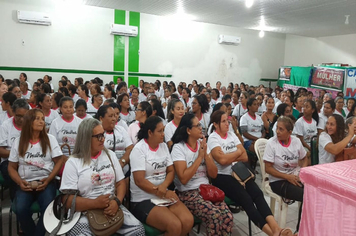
[{"x": 260, "y": 146}]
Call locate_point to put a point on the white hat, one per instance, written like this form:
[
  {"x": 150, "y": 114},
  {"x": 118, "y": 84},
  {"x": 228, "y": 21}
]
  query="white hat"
[{"x": 50, "y": 221}]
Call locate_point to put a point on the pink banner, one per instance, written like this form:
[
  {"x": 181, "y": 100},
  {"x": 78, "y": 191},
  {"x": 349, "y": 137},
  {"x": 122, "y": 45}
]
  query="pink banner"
[
  {"x": 328, "y": 78},
  {"x": 316, "y": 92}
]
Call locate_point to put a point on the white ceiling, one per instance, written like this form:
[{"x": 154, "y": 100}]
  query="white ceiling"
[{"x": 312, "y": 18}]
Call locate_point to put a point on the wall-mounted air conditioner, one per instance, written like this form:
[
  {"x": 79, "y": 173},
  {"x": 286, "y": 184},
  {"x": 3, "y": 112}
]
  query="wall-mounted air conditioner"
[
  {"x": 229, "y": 40},
  {"x": 124, "y": 30},
  {"x": 37, "y": 18}
]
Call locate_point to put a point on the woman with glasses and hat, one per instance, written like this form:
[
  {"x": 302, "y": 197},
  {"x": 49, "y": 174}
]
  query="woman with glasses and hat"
[{"x": 95, "y": 172}]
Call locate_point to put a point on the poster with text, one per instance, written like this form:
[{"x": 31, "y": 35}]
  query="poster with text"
[
  {"x": 284, "y": 73},
  {"x": 350, "y": 88},
  {"x": 328, "y": 78}
]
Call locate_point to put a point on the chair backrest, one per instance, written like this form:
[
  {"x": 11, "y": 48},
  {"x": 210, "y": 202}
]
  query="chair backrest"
[
  {"x": 314, "y": 150},
  {"x": 260, "y": 146}
]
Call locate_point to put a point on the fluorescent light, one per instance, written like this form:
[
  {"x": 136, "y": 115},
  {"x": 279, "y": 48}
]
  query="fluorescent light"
[
  {"x": 261, "y": 34},
  {"x": 248, "y": 3}
]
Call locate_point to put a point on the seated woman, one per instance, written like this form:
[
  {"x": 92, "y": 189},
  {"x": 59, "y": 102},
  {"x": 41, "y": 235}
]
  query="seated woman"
[
  {"x": 157, "y": 110},
  {"x": 268, "y": 116},
  {"x": 282, "y": 157},
  {"x": 116, "y": 137},
  {"x": 175, "y": 112},
  {"x": 35, "y": 159},
  {"x": 65, "y": 128},
  {"x": 92, "y": 170},
  {"x": 96, "y": 101},
  {"x": 251, "y": 125},
  {"x": 45, "y": 104},
  {"x": 339, "y": 109},
  {"x": 200, "y": 108},
  {"x": 151, "y": 173},
  {"x": 81, "y": 107},
  {"x": 282, "y": 110},
  {"x": 333, "y": 141},
  {"x": 143, "y": 111},
  {"x": 193, "y": 164},
  {"x": 226, "y": 149},
  {"x": 123, "y": 100}
]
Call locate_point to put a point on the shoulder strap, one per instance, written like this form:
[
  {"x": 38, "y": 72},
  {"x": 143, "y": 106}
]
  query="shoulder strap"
[{"x": 112, "y": 165}]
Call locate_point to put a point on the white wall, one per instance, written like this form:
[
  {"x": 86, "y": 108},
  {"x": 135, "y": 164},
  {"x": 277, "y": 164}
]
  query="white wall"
[
  {"x": 191, "y": 51},
  {"x": 78, "y": 38},
  {"x": 304, "y": 51}
]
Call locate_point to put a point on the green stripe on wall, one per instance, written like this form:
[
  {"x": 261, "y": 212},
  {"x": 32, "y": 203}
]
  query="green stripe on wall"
[
  {"x": 134, "y": 48},
  {"x": 119, "y": 44},
  {"x": 57, "y": 70}
]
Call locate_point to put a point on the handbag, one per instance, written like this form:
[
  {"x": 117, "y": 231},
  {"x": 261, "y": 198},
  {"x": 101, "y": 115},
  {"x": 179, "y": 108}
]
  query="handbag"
[
  {"x": 349, "y": 153},
  {"x": 101, "y": 224},
  {"x": 211, "y": 193},
  {"x": 241, "y": 173}
]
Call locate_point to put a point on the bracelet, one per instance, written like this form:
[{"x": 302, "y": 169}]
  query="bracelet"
[{"x": 117, "y": 201}]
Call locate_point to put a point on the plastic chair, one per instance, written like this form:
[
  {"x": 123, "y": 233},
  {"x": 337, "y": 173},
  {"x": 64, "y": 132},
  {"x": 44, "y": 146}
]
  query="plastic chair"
[
  {"x": 229, "y": 202},
  {"x": 314, "y": 154},
  {"x": 260, "y": 146}
]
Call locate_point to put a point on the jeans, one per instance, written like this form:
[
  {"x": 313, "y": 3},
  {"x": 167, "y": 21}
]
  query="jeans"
[
  {"x": 8, "y": 181},
  {"x": 23, "y": 203}
]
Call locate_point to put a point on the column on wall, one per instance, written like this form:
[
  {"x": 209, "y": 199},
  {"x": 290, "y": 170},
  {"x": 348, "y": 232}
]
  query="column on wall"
[{"x": 119, "y": 44}]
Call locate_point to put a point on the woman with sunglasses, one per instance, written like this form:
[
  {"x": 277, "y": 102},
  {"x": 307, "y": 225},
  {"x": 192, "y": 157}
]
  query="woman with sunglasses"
[
  {"x": 35, "y": 159},
  {"x": 143, "y": 111},
  {"x": 226, "y": 149},
  {"x": 95, "y": 172},
  {"x": 116, "y": 137},
  {"x": 151, "y": 173},
  {"x": 193, "y": 165},
  {"x": 65, "y": 128}
]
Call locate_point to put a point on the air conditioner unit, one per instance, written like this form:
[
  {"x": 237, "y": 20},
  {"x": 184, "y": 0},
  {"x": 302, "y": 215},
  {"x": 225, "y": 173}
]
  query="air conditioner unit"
[
  {"x": 37, "y": 18},
  {"x": 229, "y": 40},
  {"x": 124, "y": 30}
]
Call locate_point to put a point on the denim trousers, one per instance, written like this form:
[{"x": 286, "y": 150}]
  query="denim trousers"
[{"x": 23, "y": 203}]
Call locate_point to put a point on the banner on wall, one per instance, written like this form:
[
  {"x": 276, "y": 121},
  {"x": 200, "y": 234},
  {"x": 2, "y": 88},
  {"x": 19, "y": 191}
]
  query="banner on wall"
[
  {"x": 292, "y": 87},
  {"x": 350, "y": 88},
  {"x": 284, "y": 73},
  {"x": 316, "y": 92},
  {"x": 328, "y": 78}
]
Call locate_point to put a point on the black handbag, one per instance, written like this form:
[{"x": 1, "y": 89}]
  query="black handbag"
[{"x": 241, "y": 173}]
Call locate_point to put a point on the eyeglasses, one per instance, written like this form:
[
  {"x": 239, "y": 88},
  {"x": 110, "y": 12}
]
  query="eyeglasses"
[
  {"x": 199, "y": 125},
  {"x": 100, "y": 137},
  {"x": 140, "y": 110}
]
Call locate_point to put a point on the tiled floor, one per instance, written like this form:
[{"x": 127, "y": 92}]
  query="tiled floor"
[{"x": 240, "y": 219}]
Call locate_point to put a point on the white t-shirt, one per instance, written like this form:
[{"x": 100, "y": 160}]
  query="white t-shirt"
[
  {"x": 65, "y": 132},
  {"x": 35, "y": 165},
  {"x": 87, "y": 116},
  {"x": 322, "y": 121},
  {"x": 75, "y": 98},
  {"x": 122, "y": 141},
  {"x": 228, "y": 144},
  {"x": 26, "y": 95},
  {"x": 91, "y": 109},
  {"x": 324, "y": 156},
  {"x": 261, "y": 109},
  {"x": 254, "y": 125},
  {"x": 233, "y": 105},
  {"x": 132, "y": 105},
  {"x": 8, "y": 133},
  {"x": 305, "y": 129},
  {"x": 239, "y": 111},
  {"x": 182, "y": 152},
  {"x": 142, "y": 97},
  {"x": 277, "y": 102},
  {"x": 122, "y": 124},
  {"x": 153, "y": 162},
  {"x": 133, "y": 130},
  {"x": 4, "y": 116},
  {"x": 204, "y": 121},
  {"x": 284, "y": 157},
  {"x": 92, "y": 180},
  {"x": 188, "y": 103},
  {"x": 169, "y": 131},
  {"x": 128, "y": 117},
  {"x": 51, "y": 116}
]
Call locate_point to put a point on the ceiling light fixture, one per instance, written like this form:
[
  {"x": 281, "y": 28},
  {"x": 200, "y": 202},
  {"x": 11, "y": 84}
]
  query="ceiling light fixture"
[
  {"x": 261, "y": 34},
  {"x": 347, "y": 19},
  {"x": 248, "y": 3}
]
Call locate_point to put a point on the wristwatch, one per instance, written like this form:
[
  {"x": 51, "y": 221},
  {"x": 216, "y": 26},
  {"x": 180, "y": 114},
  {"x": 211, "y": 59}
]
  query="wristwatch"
[
  {"x": 123, "y": 161},
  {"x": 117, "y": 201}
]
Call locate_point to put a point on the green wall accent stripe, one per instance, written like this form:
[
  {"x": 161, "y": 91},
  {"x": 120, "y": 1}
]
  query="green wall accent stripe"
[
  {"x": 134, "y": 47},
  {"x": 119, "y": 44},
  {"x": 57, "y": 70}
]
